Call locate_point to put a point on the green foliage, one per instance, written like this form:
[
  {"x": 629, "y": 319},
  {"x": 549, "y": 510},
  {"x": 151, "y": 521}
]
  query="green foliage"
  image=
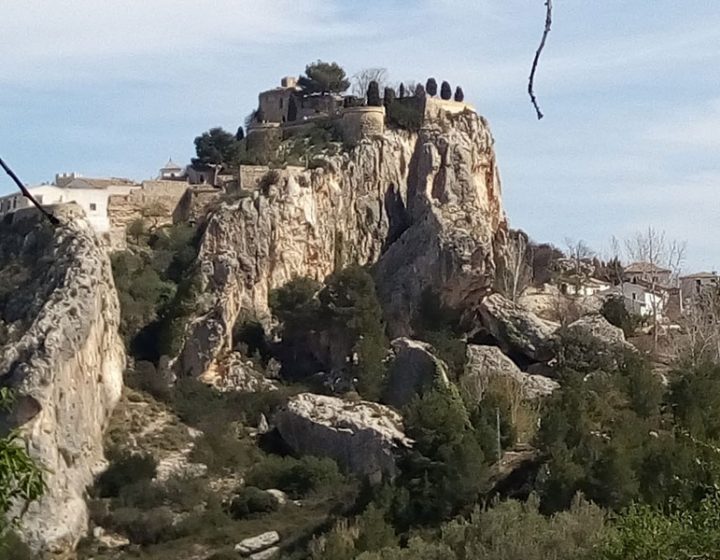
[
  {"x": 217, "y": 147},
  {"x": 252, "y": 501},
  {"x": 324, "y": 77},
  {"x": 143, "y": 527},
  {"x": 439, "y": 326},
  {"x": 695, "y": 400},
  {"x": 125, "y": 469},
  {"x": 444, "y": 470},
  {"x": 431, "y": 87},
  {"x": 375, "y": 532},
  {"x": 646, "y": 533},
  {"x": 446, "y": 91},
  {"x": 373, "y": 94},
  {"x": 388, "y": 96},
  {"x": 459, "y": 95},
  {"x": 294, "y": 303},
  {"x": 296, "y": 477},
  {"x": 405, "y": 114}
]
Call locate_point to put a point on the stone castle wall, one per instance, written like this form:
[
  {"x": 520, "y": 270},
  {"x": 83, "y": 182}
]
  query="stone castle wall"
[
  {"x": 436, "y": 108},
  {"x": 361, "y": 122},
  {"x": 250, "y": 176},
  {"x": 194, "y": 203}
]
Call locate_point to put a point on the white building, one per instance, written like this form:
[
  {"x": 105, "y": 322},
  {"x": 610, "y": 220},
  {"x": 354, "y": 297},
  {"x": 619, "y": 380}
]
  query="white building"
[
  {"x": 588, "y": 287},
  {"x": 90, "y": 194},
  {"x": 640, "y": 299}
]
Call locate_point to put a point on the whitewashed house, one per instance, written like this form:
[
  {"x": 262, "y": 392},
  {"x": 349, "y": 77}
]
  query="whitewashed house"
[{"x": 639, "y": 299}]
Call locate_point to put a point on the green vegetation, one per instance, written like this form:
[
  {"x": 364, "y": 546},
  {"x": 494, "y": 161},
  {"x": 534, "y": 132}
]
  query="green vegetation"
[
  {"x": 373, "y": 94},
  {"x": 217, "y": 147},
  {"x": 252, "y": 501},
  {"x": 459, "y": 95},
  {"x": 296, "y": 477},
  {"x": 431, "y": 87},
  {"x": 405, "y": 113},
  {"x": 324, "y": 77},
  {"x": 613, "y": 309},
  {"x": 445, "y": 91}
]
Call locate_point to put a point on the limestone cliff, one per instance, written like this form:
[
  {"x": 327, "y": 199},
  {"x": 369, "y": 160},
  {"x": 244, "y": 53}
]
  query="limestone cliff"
[
  {"x": 423, "y": 208},
  {"x": 65, "y": 361}
]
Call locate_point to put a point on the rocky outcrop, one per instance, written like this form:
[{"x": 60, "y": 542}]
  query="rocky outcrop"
[
  {"x": 412, "y": 370},
  {"x": 362, "y": 437},
  {"x": 599, "y": 328},
  {"x": 516, "y": 329},
  {"x": 252, "y": 547},
  {"x": 423, "y": 208},
  {"x": 488, "y": 363},
  {"x": 237, "y": 373},
  {"x": 68, "y": 361}
]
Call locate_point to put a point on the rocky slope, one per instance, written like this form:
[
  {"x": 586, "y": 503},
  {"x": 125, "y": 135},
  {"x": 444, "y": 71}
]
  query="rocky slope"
[
  {"x": 423, "y": 208},
  {"x": 65, "y": 362}
]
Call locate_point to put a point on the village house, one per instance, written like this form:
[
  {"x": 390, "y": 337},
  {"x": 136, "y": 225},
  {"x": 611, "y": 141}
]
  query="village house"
[
  {"x": 645, "y": 272},
  {"x": 693, "y": 285},
  {"x": 640, "y": 299},
  {"x": 586, "y": 288}
]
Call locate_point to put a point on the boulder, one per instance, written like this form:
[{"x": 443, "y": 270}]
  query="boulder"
[
  {"x": 256, "y": 544},
  {"x": 265, "y": 554},
  {"x": 485, "y": 363},
  {"x": 598, "y": 327},
  {"x": 237, "y": 373},
  {"x": 516, "y": 329},
  {"x": 280, "y": 497},
  {"x": 362, "y": 437},
  {"x": 413, "y": 369}
]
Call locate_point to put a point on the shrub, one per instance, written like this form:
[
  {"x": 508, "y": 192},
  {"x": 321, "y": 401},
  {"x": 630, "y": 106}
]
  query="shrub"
[
  {"x": 296, "y": 477},
  {"x": 250, "y": 501},
  {"x": 143, "y": 527},
  {"x": 401, "y": 91},
  {"x": 431, "y": 87},
  {"x": 405, "y": 114},
  {"x": 373, "y": 94},
  {"x": 125, "y": 469},
  {"x": 446, "y": 91},
  {"x": 459, "y": 94},
  {"x": 613, "y": 309},
  {"x": 388, "y": 96}
]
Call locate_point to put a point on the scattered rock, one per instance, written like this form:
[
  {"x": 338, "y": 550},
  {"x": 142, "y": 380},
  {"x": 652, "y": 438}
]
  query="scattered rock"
[
  {"x": 108, "y": 540},
  {"x": 259, "y": 543},
  {"x": 237, "y": 373},
  {"x": 280, "y": 496},
  {"x": 265, "y": 554},
  {"x": 362, "y": 436},
  {"x": 516, "y": 329},
  {"x": 413, "y": 369},
  {"x": 263, "y": 426},
  {"x": 485, "y": 363}
]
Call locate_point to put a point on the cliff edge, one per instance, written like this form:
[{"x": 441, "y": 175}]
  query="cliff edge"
[{"x": 61, "y": 353}]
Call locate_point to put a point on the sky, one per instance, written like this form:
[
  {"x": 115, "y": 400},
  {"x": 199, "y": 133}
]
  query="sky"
[{"x": 630, "y": 92}]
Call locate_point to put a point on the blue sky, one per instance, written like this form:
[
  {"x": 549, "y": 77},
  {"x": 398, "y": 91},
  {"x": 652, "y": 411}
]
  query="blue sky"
[{"x": 630, "y": 92}]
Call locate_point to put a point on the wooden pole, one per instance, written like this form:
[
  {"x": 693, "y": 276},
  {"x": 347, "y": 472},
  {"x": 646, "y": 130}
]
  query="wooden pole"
[{"x": 26, "y": 193}]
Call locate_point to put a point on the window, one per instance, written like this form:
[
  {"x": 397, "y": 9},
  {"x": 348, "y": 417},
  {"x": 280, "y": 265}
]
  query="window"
[
  {"x": 281, "y": 102},
  {"x": 93, "y": 207},
  {"x": 634, "y": 296}
]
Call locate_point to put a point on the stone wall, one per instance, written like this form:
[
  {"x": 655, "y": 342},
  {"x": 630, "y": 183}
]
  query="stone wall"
[
  {"x": 436, "y": 108},
  {"x": 362, "y": 122},
  {"x": 263, "y": 140},
  {"x": 194, "y": 203},
  {"x": 250, "y": 176},
  {"x": 156, "y": 202}
]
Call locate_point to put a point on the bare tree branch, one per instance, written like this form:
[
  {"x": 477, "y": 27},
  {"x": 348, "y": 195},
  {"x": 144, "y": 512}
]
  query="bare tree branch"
[
  {"x": 26, "y": 193},
  {"x": 531, "y": 80}
]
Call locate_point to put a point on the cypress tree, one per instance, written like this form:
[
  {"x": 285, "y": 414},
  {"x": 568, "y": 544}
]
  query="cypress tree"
[
  {"x": 445, "y": 91},
  {"x": 459, "y": 94},
  {"x": 389, "y": 96},
  {"x": 292, "y": 110},
  {"x": 431, "y": 87},
  {"x": 240, "y": 134},
  {"x": 401, "y": 91},
  {"x": 419, "y": 91},
  {"x": 373, "y": 94}
]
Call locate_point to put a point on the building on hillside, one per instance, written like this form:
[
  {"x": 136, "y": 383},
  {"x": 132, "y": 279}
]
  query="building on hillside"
[
  {"x": 693, "y": 285},
  {"x": 171, "y": 171},
  {"x": 640, "y": 298},
  {"x": 648, "y": 273},
  {"x": 91, "y": 194},
  {"x": 586, "y": 287}
]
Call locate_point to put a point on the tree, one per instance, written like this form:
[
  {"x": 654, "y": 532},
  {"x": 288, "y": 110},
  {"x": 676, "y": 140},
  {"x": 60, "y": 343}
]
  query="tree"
[
  {"x": 292, "y": 109},
  {"x": 388, "y": 96},
  {"x": 419, "y": 91},
  {"x": 580, "y": 254},
  {"x": 373, "y": 94},
  {"x": 216, "y": 147},
  {"x": 136, "y": 229},
  {"x": 362, "y": 79},
  {"x": 431, "y": 87},
  {"x": 654, "y": 248},
  {"x": 323, "y": 77},
  {"x": 446, "y": 91},
  {"x": 240, "y": 134},
  {"x": 459, "y": 95},
  {"x": 401, "y": 90}
]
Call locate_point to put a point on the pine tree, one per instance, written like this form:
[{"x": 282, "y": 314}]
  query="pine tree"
[
  {"x": 446, "y": 91},
  {"x": 431, "y": 87},
  {"x": 459, "y": 95}
]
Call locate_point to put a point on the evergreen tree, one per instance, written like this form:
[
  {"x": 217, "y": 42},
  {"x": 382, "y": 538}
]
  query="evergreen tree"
[
  {"x": 373, "y": 94},
  {"x": 419, "y": 91},
  {"x": 431, "y": 87},
  {"x": 389, "y": 96},
  {"x": 459, "y": 95},
  {"x": 446, "y": 91},
  {"x": 240, "y": 134},
  {"x": 401, "y": 91},
  {"x": 292, "y": 110},
  {"x": 324, "y": 77}
]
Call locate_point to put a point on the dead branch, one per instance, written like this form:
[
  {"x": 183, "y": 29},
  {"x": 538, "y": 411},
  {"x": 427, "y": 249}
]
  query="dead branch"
[
  {"x": 531, "y": 80},
  {"x": 26, "y": 193}
]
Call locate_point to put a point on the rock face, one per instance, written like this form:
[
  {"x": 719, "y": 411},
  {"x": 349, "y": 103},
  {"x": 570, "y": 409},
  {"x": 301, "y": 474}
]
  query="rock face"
[
  {"x": 598, "y": 327},
  {"x": 485, "y": 363},
  {"x": 412, "y": 370},
  {"x": 423, "y": 208},
  {"x": 361, "y": 436},
  {"x": 254, "y": 545},
  {"x": 68, "y": 362},
  {"x": 516, "y": 329}
]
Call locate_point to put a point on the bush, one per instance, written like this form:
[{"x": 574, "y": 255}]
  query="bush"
[
  {"x": 446, "y": 91},
  {"x": 296, "y": 477},
  {"x": 431, "y": 87},
  {"x": 616, "y": 314},
  {"x": 405, "y": 114},
  {"x": 125, "y": 469},
  {"x": 143, "y": 527},
  {"x": 459, "y": 95},
  {"x": 373, "y": 94},
  {"x": 388, "y": 96},
  {"x": 251, "y": 501}
]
